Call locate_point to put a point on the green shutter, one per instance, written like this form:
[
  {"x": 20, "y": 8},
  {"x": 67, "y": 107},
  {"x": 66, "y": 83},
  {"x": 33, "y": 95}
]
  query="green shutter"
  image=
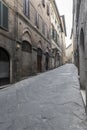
[
  {"x": 5, "y": 17},
  {"x": 0, "y": 13}
]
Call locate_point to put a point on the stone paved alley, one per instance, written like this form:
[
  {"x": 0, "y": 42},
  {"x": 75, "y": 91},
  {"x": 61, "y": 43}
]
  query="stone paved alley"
[{"x": 49, "y": 101}]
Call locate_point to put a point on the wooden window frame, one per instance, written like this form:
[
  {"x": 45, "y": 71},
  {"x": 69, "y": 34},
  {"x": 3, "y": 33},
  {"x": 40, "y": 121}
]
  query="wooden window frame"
[{"x": 48, "y": 10}]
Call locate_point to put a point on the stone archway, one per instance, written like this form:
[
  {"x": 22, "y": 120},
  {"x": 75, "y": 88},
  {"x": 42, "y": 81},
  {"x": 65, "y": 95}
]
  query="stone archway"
[
  {"x": 26, "y": 55},
  {"x": 26, "y": 59},
  {"x": 82, "y": 60},
  {"x": 4, "y": 67}
]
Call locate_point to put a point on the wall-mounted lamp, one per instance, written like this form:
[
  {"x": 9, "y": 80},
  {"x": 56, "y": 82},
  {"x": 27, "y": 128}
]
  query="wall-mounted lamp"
[{"x": 18, "y": 46}]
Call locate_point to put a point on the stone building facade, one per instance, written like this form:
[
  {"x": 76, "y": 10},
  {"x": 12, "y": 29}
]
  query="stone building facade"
[
  {"x": 25, "y": 39},
  {"x": 80, "y": 42},
  {"x": 64, "y": 34},
  {"x": 56, "y": 35}
]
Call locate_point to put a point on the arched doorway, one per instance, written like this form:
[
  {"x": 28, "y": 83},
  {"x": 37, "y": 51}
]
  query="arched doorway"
[
  {"x": 82, "y": 60},
  {"x": 47, "y": 60},
  {"x": 39, "y": 60},
  {"x": 4, "y": 67},
  {"x": 26, "y": 53},
  {"x": 26, "y": 59}
]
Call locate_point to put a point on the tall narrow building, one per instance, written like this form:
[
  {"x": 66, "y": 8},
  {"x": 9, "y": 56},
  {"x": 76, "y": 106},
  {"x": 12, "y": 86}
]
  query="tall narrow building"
[
  {"x": 80, "y": 43},
  {"x": 56, "y": 35}
]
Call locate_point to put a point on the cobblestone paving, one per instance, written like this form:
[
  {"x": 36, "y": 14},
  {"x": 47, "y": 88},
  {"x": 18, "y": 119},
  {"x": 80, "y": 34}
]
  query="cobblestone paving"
[{"x": 49, "y": 101}]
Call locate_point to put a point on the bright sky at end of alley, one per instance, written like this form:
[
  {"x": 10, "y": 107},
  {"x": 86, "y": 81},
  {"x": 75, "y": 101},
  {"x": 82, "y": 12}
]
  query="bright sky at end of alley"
[{"x": 65, "y": 8}]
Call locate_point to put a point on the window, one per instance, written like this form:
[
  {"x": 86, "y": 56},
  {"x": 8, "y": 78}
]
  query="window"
[
  {"x": 55, "y": 36},
  {"x": 48, "y": 33},
  {"x": 37, "y": 20},
  {"x": 48, "y": 11},
  {"x": 3, "y": 16},
  {"x": 52, "y": 32},
  {"x": 26, "y": 47},
  {"x": 27, "y": 8},
  {"x": 43, "y": 3},
  {"x": 43, "y": 28},
  {"x": 55, "y": 21}
]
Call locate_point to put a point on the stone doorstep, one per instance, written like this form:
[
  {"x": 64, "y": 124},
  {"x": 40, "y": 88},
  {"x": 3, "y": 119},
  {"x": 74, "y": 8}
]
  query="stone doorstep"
[{"x": 83, "y": 93}]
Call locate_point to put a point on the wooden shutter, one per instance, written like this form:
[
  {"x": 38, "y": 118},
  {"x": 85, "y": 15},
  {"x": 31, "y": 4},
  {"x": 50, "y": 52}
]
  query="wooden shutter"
[
  {"x": 5, "y": 17},
  {"x": 37, "y": 20},
  {"x": 27, "y": 7}
]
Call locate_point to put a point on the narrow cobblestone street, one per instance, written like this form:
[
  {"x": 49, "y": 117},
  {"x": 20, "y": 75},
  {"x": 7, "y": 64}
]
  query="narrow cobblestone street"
[{"x": 49, "y": 101}]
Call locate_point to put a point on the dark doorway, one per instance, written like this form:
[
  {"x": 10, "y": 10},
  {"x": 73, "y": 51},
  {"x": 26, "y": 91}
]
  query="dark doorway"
[
  {"x": 4, "y": 67},
  {"x": 39, "y": 60},
  {"x": 47, "y": 61}
]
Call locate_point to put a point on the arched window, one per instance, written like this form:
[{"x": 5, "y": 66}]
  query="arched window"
[
  {"x": 26, "y": 46},
  {"x": 39, "y": 52}
]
